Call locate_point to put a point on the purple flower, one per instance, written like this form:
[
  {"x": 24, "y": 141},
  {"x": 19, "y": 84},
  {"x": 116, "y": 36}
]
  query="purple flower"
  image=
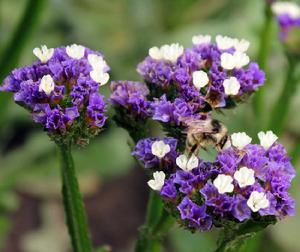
[
  {"x": 169, "y": 189},
  {"x": 60, "y": 90},
  {"x": 156, "y": 72},
  {"x": 166, "y": 111},
  {"x": 240, "y": 210},
  {"x": 195, "y": 214},
  {"x": 131, "y": 96},
  {"x": 143, "y": 152}
]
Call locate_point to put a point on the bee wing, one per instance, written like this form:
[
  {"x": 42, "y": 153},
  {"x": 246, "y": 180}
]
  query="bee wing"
[{"x": 196, "y": 126}]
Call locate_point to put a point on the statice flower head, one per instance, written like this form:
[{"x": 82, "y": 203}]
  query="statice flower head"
[
  {"x": 208, "y": 75},
  {"x": 288, "y": 16},
  {"x": 61, "y": 91},
  {"x": 245, "y": 182}
]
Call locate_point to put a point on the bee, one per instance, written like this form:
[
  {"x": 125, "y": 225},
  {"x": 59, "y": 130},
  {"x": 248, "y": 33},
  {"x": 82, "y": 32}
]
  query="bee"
[{"x": 202, "y": 133}]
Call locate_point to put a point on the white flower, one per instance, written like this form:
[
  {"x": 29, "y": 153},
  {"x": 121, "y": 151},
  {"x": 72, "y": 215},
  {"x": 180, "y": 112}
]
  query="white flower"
[
  {"x": 228, "y": 61},
  {"x": 160, "y": 149},
  {"x": 97, "y": 62},
  {"x": 224, "y": 183},
  {"x": 200, "y": 79},
  {"x": 99, "y": 76},
  {"x": 155, "y": 53},
  {"x": 290, "y": 8},
  {"x": 231, "y": 86},
  {"x": 237, "y": 60},
  {"x": 241, "y": 59},
  {"x": 166, "y": 52},
  {"x": 43, "y": 53},
  {"x": 240, "y": 140},
  {"x": 201, "y": 39},
  {"x": 158, "y": 181},
  {"x": 75, "y": 51},
  {"x": 244, "y": 176},
  {"x": 46, "y": 84},
  {"x": 257, "y": 201},
  {"x": 187, "y": 164},
  {"x": 224, "y": 42},
  {"x": 241, "y": 45},
  {"x": 267, "y": 139}
]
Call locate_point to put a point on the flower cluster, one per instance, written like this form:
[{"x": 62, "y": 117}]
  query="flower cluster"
[
  {"x": 246, "y": 181},
  {"x": 288, "y": 16},
  {"x": 191, "y": 82},
  {"x": 61, "y": 91},
  {"x": 208, "y": 74}
]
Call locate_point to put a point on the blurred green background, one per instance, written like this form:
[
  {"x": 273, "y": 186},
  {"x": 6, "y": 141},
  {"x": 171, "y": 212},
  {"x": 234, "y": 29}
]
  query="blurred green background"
[{"x": 31, "y": 215}]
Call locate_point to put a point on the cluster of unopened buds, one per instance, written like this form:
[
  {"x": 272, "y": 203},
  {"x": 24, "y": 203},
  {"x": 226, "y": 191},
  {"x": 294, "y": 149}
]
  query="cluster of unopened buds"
[
  {"x": 61, "y": 91},
  {"x": 246, "y": 181}
]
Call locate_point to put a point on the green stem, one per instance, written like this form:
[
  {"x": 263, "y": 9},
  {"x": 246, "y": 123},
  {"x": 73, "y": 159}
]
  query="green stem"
[
  {"x": 234, "y": 236},
  {"x": 295, "y": 155},
  {"x": 158, "y": 222},
  {"x": 281, "y": 106},
  {"x": 74, "y": 209},
  {"x": 263, "y": 54}
]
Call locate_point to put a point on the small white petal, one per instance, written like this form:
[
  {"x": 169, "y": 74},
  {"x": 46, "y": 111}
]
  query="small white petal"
[
  {"x": 240, "y": 140},
  {"x": 99, "y": 76},
  {"x": 201, "y": 39},
  {"x": 257, "y": 201},
  {"x": 192, "y": 163},
  {"x": 228, "y": 61},
  {"x": 155, "y": 53},
  {"x": 241, "y": 45},
  {"x": 224, "y": 183},
  {"x": 244, "y": 176},
  {"x": 97, "y": 62},
  {"x": 46, "y": 84},
  {"x": 43, "y": 53},
  {"x": 75, "y": 51},
  {"x": 200, "y": 79},
  {"x": 267, "y": 139},
  {"x": 186, "y": 164},
  {"x": 290, "y": 8},
  {"x": 231, "y": 86},
  {"x": 160, "y": 149},
  {"x": 224, "y": 42},
  {"x": 181, "y": 161},
  {"x": 172, "y": 52},
  {"x": 241, "y": 59},
  {"x": 166, "y": 52},
  {"x": 158, "y": 180}
]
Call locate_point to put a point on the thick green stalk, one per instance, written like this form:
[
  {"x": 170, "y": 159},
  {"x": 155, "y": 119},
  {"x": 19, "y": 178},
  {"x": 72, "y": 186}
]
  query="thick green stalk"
[
  {"x": 74, "y": 208},
  {"x": 157, "y": 223},
  {"x": 263, "y": 54},
  {"x": 281, "y": 106}
]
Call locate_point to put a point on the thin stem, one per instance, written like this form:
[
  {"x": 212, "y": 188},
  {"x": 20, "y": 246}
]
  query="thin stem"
[
  {"x": 281, "y": 106},
  {"x": 74, "y": 209},
  {"x": 263, "y": 54},
  {"x": 158, "y": 222},
  {"x": 296, "y": 153}
]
